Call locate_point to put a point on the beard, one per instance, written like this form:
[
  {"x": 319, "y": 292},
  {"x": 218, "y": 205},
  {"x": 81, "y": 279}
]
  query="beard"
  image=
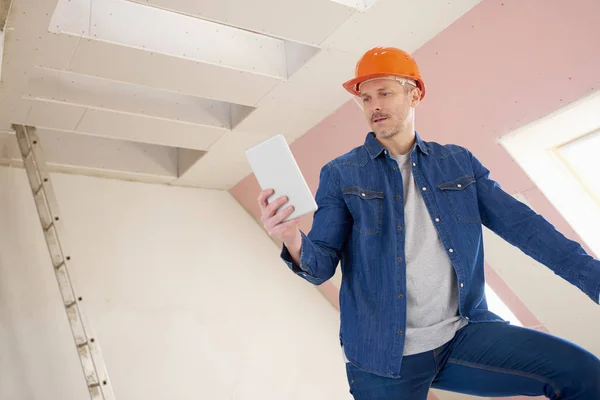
[
  {"x": 386, "y": 133},
  {"x": 386, "y": 129}
]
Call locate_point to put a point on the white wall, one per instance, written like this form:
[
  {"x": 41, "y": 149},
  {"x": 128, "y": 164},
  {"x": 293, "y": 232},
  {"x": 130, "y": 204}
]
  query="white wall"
[{"x": 186, "y": 293}]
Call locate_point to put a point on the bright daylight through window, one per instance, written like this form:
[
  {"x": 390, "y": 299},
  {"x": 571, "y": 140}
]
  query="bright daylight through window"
[{"x": 582, "y": 158}]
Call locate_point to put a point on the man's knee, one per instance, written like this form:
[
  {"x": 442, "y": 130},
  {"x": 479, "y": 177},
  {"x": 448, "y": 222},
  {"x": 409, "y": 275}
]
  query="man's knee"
[{"x": 582, "y": 381}]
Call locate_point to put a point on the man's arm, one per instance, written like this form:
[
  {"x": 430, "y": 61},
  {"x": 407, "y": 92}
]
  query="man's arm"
[
  {"x": 321, "y": 250},
  {"x": 520, "y": 226}
]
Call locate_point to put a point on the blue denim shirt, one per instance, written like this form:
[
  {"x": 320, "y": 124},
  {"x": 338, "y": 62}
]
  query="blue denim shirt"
[{"x": 359, "y": 222}]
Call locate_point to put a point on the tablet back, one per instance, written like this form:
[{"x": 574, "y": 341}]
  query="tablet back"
[{"x": 275, "y": 168}]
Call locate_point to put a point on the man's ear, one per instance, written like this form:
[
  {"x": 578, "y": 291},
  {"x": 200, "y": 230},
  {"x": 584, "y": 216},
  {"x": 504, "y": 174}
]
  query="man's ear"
[{"x": 415, "y": 97}]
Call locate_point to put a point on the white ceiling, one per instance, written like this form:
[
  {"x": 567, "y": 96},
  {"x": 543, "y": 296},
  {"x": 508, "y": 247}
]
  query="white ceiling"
[{"x": 174, "y": 91}]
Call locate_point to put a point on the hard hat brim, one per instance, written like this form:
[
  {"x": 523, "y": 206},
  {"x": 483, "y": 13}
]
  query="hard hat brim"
[{"x": 352, "y": 85}]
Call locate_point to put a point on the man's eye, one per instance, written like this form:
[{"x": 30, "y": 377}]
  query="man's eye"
[{"x": 365, "y": 99}]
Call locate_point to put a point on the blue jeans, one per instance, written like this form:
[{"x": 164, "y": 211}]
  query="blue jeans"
[{"x": 491, "y": 360}]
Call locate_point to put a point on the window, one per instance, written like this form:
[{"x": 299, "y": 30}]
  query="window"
[
  {"x": 582, "y": 158},
  {"x": 561, "y": 154}
]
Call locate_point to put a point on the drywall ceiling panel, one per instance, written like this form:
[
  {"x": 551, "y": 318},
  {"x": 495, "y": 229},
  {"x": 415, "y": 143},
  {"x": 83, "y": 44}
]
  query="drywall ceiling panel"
[
  {"x": 318, "y": 84},
  {"x": 402, "y": 23},
  {"x": 187, "y": 158},
  {"x": 25, "y": 46},
  {"x": 296, "y": 106},
  {"x": 55, "y": 115},
  {"x": 108, "y": 94},
  {"x": 27, "y": 43},
  {"x": 13, "y": 112},
  {"x": 134, "y": 25},
  {"x": 360, "y": 5},
  {"x": 89, "y": 155},
  {"x": 149, "y": 130},
  {"x": 211, "y": 171},
  {"x": 107, "y": 157},
  {"x": 297, "y": 55},
  {"x": 27, "y": 40},
  {"x": 22, "y": 49},
  {"x": 169, "y": 73},
  {"x": 292, "y": 122},
  {"x": 308, "y": 21},
  {"x": 72, "y": 17}
]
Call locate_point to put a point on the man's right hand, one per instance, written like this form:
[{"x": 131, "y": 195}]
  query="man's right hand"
[{"x": 272, "y": 220}]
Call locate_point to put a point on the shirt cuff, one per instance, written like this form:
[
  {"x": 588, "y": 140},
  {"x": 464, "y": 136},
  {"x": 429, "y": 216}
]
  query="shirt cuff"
[{"x": 307, "y": 260}]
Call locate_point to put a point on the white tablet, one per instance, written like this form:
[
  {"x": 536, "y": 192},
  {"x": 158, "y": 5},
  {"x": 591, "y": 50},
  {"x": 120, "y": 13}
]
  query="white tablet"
[{"x": 275, "y": 168}]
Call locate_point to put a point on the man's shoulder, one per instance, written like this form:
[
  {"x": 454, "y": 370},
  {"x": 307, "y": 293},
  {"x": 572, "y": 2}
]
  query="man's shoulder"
[
  {"x": 357, "y": 156},
  {"x": 439, "y": 150}
]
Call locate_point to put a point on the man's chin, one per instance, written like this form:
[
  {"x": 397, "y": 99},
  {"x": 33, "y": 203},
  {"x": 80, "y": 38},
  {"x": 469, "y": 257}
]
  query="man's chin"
[{"x": 384, "y": 133}]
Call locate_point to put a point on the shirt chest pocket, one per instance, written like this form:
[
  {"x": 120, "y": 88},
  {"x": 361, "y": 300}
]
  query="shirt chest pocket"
[
  {"x": 366, "y": 207},
  {"x": 461, "y": 195}
]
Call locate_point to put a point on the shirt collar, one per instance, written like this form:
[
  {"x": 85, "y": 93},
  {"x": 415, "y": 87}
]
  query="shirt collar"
[{"x": 374, "y": 148}]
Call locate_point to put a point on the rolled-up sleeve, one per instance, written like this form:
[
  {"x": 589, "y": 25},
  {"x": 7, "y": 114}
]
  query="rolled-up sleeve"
[{"x": 322, "y": 247}]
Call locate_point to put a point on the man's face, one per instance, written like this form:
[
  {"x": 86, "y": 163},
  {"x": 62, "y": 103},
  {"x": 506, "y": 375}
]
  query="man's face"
[{"x": 387, "y": 106}]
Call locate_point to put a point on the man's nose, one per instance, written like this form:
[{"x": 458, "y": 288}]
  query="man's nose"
[{"x": 375, "y": 105}]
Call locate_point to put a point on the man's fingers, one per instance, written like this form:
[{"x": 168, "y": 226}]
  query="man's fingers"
[
  {"x": 283, "y": 214},
  {"x": 275, "y": 205},
  {"x": 271, "y": 220},
  {"x": 263, "y": 196},
  {"x": 275, "y": 221}
]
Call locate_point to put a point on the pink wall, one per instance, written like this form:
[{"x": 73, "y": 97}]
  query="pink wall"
[{"x": 502, "y": 65}]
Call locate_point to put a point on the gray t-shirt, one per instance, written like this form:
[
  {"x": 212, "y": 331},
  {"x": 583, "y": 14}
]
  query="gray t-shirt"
[{"x": 431, "y": 284}]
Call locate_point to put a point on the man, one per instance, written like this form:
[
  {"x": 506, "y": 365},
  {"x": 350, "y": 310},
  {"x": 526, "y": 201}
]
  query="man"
[{"x": 405, "y": 218}]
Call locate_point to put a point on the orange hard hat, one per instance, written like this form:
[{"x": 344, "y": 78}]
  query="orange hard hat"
[{"x": 381, "y": 62}]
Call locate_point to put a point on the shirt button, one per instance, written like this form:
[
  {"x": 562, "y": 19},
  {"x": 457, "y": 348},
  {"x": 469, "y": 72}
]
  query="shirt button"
[
  {"x": 459, "y": 185},
  {"x": 398, "y": 196},
  {"x": 414, "y": 164},
  {"x": 467, "y": 318},
  {"x": 462, "y": 285},
  {"x": 395, "y": 169},
  {"x": 363, "y": 195},
  {"x": 385, "y": 152},
  {"x": 399, "y": 228},
  {"x": 400, "y": 295},
  {"x": 437, "y": 220},
  {"x": 400, "y": 332},
  {"x": 424, "y": 189},
  {"x": 399, "y": 259},
  {"x": 451, "y": 250}
]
